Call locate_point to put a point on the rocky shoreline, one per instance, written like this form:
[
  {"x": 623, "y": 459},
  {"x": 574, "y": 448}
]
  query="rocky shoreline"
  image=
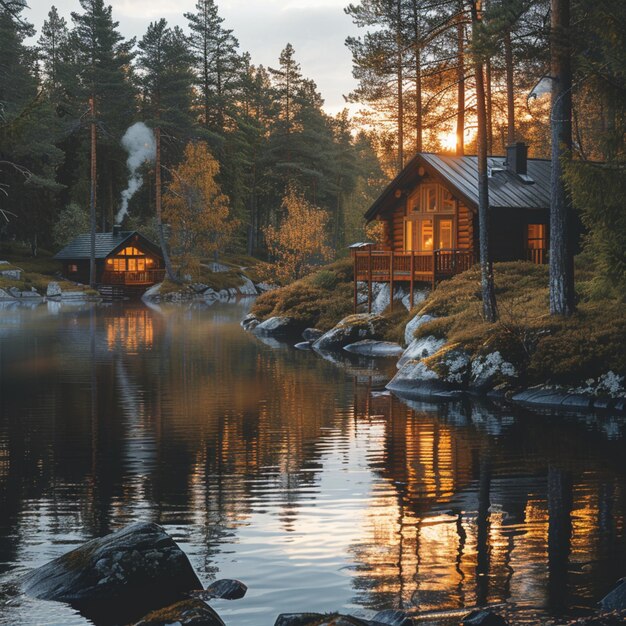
[
  {"x": 139, "y": 576},
  {"x": 431, "y": 368}
]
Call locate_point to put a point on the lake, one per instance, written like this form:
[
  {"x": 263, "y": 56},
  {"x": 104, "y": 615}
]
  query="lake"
[{"x": 297, "y": 475}]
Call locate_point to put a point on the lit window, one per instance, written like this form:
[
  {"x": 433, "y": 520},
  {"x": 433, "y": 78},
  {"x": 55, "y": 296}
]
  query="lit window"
[
  {"x": 429, "y": 198},
  {"x": 536, "y": 236},
  {"x": 72, "y": 269},
  {"x": 445, "y": 235},
  {"x": 426, "y": 235},
  {"x": 408, "y": 235}
]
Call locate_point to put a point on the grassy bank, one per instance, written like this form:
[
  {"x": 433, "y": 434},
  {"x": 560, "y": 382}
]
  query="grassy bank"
[
  {"x": 542, "y": 347},
  {"x": 37, "y": 271}
]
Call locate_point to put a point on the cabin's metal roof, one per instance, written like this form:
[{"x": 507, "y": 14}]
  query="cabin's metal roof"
[
  {"x": 460, "y": 175},
  {"x": 106, "y": 244}
]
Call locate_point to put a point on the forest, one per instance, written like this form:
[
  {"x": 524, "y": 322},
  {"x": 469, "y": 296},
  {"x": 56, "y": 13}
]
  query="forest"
[{"x": 424, "y": 69}]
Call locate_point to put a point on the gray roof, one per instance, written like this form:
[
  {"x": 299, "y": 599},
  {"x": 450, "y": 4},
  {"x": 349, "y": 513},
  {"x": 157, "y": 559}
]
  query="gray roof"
[
  {"x": 106, "y": 244},
  {"x": 460, "y": 175}
]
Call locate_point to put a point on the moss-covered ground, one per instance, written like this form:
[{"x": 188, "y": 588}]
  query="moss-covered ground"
[{"x": 544, "y": 348}]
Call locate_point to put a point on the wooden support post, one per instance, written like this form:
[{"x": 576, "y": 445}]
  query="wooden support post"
[
  {"x": 391, "y": 280},
  {"x": 434, "y": 269},
  {"x": 355, "y": 277},
  {"x": 369, "y": 280},
  {"x": 411, "y": 298}
]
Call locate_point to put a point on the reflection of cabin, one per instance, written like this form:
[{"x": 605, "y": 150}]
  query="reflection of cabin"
[
  {"x": 124, "y": 258},
  {"x": 429, "y": 212}
]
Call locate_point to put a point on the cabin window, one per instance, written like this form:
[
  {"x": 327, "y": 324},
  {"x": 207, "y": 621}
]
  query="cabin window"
[
  {"x": 130, "y": 251},
  {"x": 536, "y": 243},
  {"x": 413, "y": 204},
  {"x": 72, "y": 269},
  {"x": 429, "y": 198},
  {"x": 445, "y": 234},
  {"x": 408, "y": 235},
  {"x": 448, "y": 205},
  {"x": 426, "y": 235}
]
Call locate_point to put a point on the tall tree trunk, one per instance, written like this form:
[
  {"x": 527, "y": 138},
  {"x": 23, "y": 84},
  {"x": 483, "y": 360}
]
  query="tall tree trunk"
[
  {"x": 510, "y": 100},
  {"x": 158, "y": 202},
  {"x": 490, "y": 310},
  {"x": 418, "y": 79},
  {"x": 92, "y": 196},
  {"x": 561, "y": 258},
  {"x": 400, "y": 87},
  {"x": 489, "y": 106},
  {"x": 460, "y": 113}
]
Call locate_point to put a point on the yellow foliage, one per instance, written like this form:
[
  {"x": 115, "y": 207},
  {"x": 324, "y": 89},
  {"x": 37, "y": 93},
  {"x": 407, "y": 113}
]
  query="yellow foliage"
[
  {"x": 377, "y": 232},
  {"x": 196, "y": 209},
  {"x": 299, "y": 241}
]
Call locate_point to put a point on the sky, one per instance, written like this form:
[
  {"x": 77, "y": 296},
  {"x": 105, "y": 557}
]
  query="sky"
[{"x": 316, "y": 28}]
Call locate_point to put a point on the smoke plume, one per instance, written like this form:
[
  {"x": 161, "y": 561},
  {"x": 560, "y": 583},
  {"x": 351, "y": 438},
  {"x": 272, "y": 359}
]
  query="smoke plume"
[{"x": 140, "y": 144}]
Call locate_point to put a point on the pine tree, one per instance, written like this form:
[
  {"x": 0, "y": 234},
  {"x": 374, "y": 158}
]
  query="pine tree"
[{"x": 52, "y": 44}]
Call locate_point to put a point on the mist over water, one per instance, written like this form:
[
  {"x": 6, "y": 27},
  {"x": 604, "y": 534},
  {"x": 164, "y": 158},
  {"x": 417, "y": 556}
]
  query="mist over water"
[
  {"x": 284, "y": 470},
  {"x": 140, "y": 143}
]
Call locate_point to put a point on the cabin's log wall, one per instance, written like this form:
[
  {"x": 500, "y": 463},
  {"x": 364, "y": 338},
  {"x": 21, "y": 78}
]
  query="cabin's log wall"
[
  {"x": 465, "y": 228},
  {"x": 397, "y": 225}
]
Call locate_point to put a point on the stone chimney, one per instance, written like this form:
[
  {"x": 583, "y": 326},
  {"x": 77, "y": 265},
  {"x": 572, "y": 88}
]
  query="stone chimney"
[
  {"x": 117, "y": 229},
  {"x": 517, "y": 158}
]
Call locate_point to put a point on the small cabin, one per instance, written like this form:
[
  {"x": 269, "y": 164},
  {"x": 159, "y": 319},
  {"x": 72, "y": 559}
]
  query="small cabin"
[
  {"x": 124, "y": 258},
  {"x": 430, "y": 217}
]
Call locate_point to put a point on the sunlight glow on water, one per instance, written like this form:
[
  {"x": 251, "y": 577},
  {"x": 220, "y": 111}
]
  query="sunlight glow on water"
[{"x": 279, "y": 468}]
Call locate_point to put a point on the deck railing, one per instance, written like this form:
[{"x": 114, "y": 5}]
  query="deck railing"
[{"x": 139, "y": 277}]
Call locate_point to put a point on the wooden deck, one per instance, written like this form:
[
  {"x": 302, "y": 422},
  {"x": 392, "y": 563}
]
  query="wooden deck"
[
  {"x": 408, "y": 267},
  {"x": 140, "y": 277}
]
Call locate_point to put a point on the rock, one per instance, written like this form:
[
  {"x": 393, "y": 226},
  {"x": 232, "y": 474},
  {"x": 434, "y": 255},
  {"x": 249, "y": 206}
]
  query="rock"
[
  {"x": 224, "y": 589},
  {"x": 312, "y": 334},
  {"x": 214, "y": 266},
  {"x": 73, "y": 295},
  {"x": 15, "y": 273},
  {"x": 15, "y": 292},
  {"x": 29, "y": 295},
  {"x": 393, "y": 617},
  {"x": 490, "y": 370},
  {"x": 184, "y": 613},
  {"x": 247, "y": 288},
  {"x": 210, "y": 295},
  {"x": 276, "y": 326},
  {"x": 135, "y": 569},
  {"x": 370, "y": 347},
  {"x": 615, "y": 600},
  {"x": 351, "y": 329},
  {"x": 53, "y": 290},
  {"x": 319, "y": 619},
  {"x": 233, "y": 292},
  {"x": 5, "y": 295},
  {"x": 263, "y": 287},
  {"x": 303, "y": 345},
  {"x": 383, "y": 299},
  {"x": 445, "y": 375},
  {"x": 250, "y": 322},
  {"x": 546, "y": 396},
  {"x": 482, "y": 617},
  {"x": 199, "y": 287},
  {"x": 152, "y": 294},
  {"x": 413, "y": 325},
  {"x": 420, "y": 349}
]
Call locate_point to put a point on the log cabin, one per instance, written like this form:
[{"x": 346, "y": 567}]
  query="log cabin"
[
  {"x": 123, "y": 258},
  {"x": 430, "y": 217}
]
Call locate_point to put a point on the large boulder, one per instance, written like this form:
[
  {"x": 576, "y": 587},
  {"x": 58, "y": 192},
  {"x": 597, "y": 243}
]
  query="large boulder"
[
  {"x": 53, "y": 290},
  {"x": 615, "y": 600},
  {"x": 413, "y": 325},
  {"x": 420, "y": 349},
  {"x": 247, "y": 287},
  {"x": 152, "y": 294},
  {"x": 312, "y": 334},
  {"x": 351, "y": 329},
  {"x": 388, "y": 617},
  {"x": 490, "y": 370},
  {"x": 276, "y": 326},
  {"x": 190, "y": 612},
  {"x": 383, "y": 298},
  {"x": 250, "y": 322},
  {"x": 371, "y": 347},
  {"x": 124, "y": 574},
  {"x": 4, "y": 295},
  {"x": 443, "y": 375}
]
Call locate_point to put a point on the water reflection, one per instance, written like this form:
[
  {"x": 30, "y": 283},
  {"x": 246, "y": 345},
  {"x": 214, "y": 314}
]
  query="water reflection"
[{"x": 284, "y": 469}]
